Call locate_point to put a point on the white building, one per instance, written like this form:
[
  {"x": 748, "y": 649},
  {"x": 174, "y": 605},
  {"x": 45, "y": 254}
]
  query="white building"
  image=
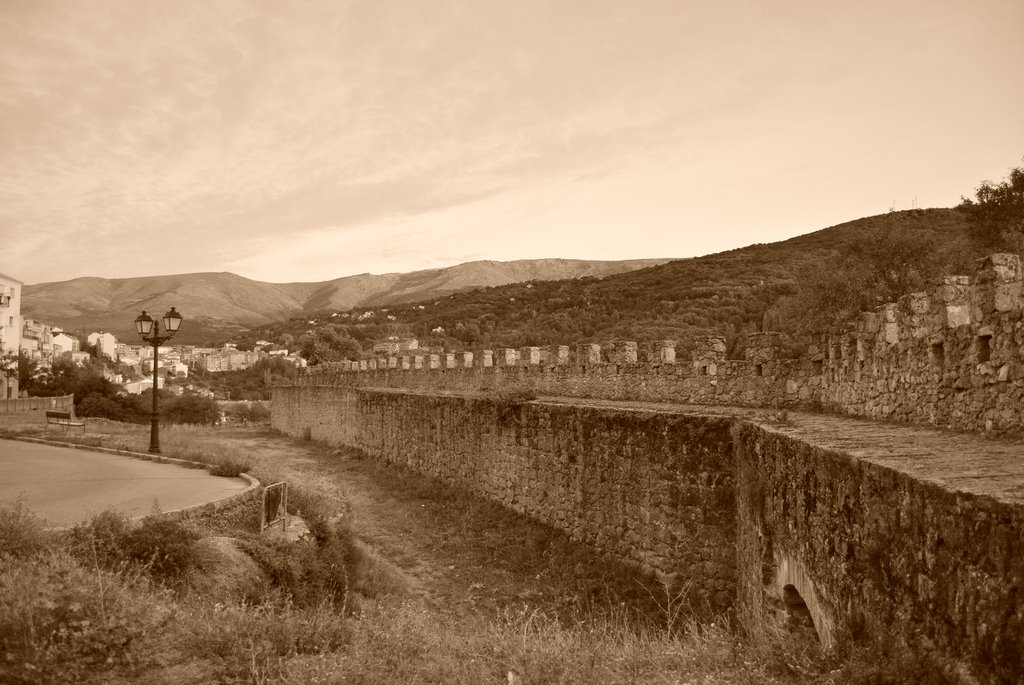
[
  {"x": 78, "y": 357},
  {"x": 106, "y": 344},
  {"x": 64, "y": 343},
  {"x": 37, "y": 341},
  {"x": 138, "y": 387},
  {"x": 10, "y": 329}
]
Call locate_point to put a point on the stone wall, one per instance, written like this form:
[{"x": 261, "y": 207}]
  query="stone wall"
[
  {"x": 951, "y": 357},
  {"x": 652, "y": 489},
  {"x": 586, "y": 372},
  {"x": 735, "y": 508},
  {"x": 873, "y": 551}
]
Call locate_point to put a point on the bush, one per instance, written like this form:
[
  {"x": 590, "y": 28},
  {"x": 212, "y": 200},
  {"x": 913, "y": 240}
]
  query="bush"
[
  {"x": 163, "y": 545},
  {"x": 21, "y": 532},
  {"x": 61, "y": 622},
  {"x": 229, "y": 466},
  {"x": 102, "y": 540},
  {"x": 189, "y": 408},
  {"x": 114, "y": 407}
]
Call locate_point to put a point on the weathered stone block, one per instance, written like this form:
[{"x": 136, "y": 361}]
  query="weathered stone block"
[
  {"x": 762, "y": 347},
  {"x": 529, "y": 356},
  {"x": 620, "y": 352},
  {"x": 556, "y": 355},
  {"x": 710, "y": 347},
  {"x": 588, "y": 354},
  {"x": 997, "y": 286},
  {"x": 505, "y": 356}
]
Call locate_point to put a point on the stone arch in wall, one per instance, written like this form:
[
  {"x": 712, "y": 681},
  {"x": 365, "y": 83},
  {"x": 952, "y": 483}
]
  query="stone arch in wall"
[{"x": 800, "y": 600}]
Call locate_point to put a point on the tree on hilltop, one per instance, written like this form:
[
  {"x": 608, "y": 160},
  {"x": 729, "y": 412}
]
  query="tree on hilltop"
[
  {"x": 996, "y": 215},
  {"x": 858, "y": 277},
  {"x": 328, "y": 344}
]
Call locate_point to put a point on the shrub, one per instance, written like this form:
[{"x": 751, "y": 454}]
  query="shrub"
[
  {"x": 102, "y": 540},
  {"x": 190, "y": 408},
  {"x": 229, "y": 466},
  {"x": 21, "y": 532},
  {"x": 163, "y": 545},
  {"x": 61, "y": 622},
  {"x": 309, "y": 573}
]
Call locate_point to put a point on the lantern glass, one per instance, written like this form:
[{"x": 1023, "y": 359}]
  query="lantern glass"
[
  {"x": 172, "y": 320},
  {"x": 144, "y": 324}
]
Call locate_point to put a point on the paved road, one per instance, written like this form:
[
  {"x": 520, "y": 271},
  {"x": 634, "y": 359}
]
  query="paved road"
[{"x": 65, "y": 486}]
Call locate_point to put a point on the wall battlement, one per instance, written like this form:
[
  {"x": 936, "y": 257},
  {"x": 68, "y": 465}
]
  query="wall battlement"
[{"x": 949, "y": 357}]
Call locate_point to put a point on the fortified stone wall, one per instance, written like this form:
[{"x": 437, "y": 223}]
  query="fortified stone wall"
[
  {"x": 613, "y": 371},
  {"x": 651, "y": 489},
  {"x": 951, "y": 357},
  {"x": 890, "y": 556}
]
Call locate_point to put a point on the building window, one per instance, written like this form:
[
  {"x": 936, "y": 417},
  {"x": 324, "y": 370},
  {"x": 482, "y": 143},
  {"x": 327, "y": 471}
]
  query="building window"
[{"x": 937, "y": 355}]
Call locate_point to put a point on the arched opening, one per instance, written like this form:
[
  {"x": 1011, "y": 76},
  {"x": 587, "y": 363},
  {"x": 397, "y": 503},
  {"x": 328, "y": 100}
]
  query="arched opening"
[
  {"x": 798, "y": 616},
  {"x": 798, "y": 605}
]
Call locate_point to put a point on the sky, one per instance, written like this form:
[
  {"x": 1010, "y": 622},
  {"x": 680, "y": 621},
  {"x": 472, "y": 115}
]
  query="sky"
[{"x": 304, "y": 141}]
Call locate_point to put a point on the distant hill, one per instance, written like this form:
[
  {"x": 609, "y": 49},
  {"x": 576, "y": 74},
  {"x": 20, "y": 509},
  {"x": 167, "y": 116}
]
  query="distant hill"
[
  {"x": 223, "y": 304},
  {"x": 726, "y": 293}
]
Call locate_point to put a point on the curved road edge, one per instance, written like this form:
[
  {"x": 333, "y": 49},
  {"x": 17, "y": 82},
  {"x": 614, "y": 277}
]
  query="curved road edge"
[{"x": 181, "y": 512}]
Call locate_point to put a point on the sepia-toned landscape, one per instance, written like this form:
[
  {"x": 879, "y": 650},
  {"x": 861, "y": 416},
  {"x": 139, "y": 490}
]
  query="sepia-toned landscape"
[{"x": 531, "y": 343}]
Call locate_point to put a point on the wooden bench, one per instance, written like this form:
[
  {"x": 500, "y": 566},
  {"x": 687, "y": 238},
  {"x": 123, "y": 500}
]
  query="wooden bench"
[{"x": 67, "y": 419}]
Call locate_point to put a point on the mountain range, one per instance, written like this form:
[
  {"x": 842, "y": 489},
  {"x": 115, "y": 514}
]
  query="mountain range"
[{"x": 221, "y": 304}]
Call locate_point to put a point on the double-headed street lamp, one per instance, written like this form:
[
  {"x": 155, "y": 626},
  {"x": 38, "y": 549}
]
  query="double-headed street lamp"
[{"x": 149, "y": 329}]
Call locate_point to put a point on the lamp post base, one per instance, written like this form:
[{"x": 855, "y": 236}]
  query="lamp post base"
[{"x": 154, "y": 435}]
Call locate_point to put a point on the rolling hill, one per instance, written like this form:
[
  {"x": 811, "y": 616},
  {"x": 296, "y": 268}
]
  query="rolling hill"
[
  {"x": 727, "y": 293},
  {"x": 223, "y": 304}
]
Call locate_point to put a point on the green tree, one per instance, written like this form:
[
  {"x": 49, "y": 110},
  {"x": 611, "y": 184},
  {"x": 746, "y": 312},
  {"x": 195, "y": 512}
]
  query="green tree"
[
  {"x": 996, "y": 215},
  {"x": 28, "y": 370},
  {"x": 328, "y": 344},
  {"x": 9, "y": 367},
  {"x": 189, "y": 408},
  {"x": 858, "y": 277}
]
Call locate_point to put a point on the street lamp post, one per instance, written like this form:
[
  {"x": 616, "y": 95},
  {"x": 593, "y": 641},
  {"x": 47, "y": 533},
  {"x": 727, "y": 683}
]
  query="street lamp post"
[{"x": 149, "y": 330}]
